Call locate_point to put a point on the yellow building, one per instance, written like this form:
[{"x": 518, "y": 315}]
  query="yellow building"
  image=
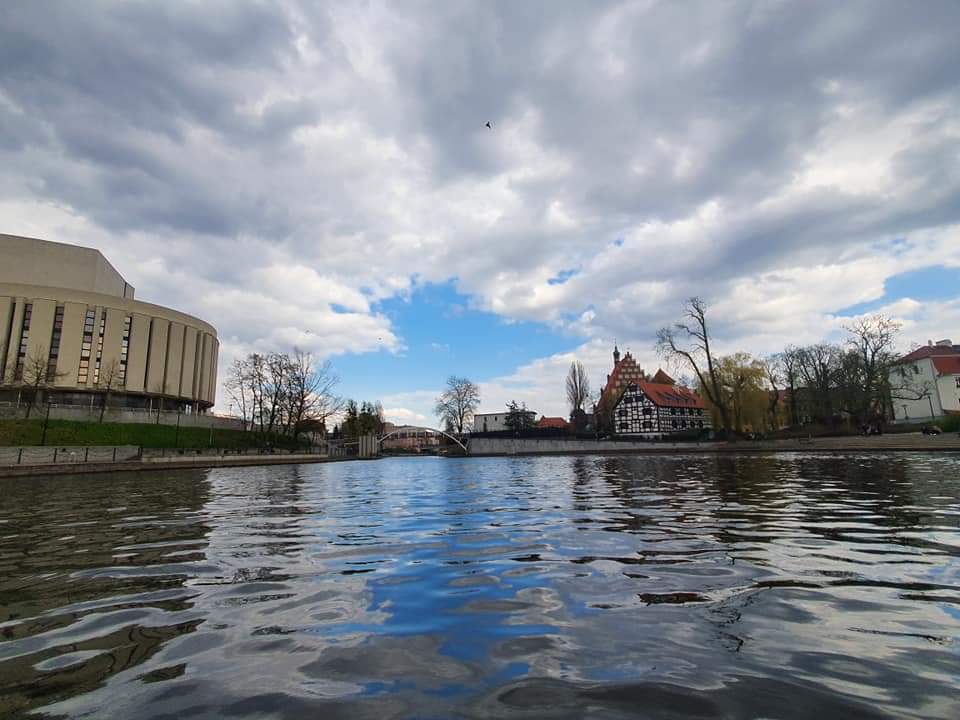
[{"x": 69, "y": 323}]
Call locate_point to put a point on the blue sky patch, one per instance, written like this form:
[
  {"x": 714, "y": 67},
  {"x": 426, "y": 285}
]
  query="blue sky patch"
[
  {"x": 444, "y": 336},
  {"x": 925, "y": 284}
]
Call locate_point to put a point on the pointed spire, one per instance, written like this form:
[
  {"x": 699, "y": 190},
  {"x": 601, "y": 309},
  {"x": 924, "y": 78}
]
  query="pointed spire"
[{"x": 616, "y": 353}]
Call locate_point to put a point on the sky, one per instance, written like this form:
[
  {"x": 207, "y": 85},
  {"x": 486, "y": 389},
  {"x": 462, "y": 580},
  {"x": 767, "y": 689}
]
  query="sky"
[{"x": 320, "y": 175}]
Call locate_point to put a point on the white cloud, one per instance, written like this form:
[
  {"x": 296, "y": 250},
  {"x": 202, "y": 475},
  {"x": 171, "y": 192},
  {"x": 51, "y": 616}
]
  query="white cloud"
[{"x": 280, "y": 169}]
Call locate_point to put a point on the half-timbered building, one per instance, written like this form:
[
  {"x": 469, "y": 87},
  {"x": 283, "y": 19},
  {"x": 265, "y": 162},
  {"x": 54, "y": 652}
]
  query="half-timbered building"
[{"x": 653, "y": 410}]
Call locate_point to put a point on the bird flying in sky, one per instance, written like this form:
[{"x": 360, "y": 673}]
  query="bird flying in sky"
[{"x": 489, "y": 125}]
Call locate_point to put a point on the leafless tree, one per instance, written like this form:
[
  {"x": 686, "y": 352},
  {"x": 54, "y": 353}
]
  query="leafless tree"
[
  {"x": 34, "y": 377},
  {"x": 871, "y": 341},
  {"x": 789, "y": 361},
  {"x": 818, "y": 365},
  {"x": 688, "y": 343},
  {"x": 310, "y": 391},
  {"x": 457, "y": 404},
  {"x": 773, "y": 372},
  {"x": 109, "y": 380},
  {"x": 237, "y": 386},
  {"x": 578, "y": 386}
]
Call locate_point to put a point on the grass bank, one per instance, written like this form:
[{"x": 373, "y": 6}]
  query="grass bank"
[{"x": 67, "y": 432}]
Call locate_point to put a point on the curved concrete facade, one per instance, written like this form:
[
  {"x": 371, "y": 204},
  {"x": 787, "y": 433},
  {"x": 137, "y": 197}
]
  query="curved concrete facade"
[{"x": 91, "y": 342}]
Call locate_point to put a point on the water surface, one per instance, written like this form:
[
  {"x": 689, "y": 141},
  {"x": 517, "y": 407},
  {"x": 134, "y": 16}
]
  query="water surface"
[{"x": 782, "y": 586}]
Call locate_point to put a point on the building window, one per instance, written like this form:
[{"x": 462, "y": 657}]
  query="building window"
[
  {"x": 24, "y": 337},
  {"x": 83, "y": 371},
  {"x": 916, "y": 370},
  {"x": 124, "y": 350},
  {"x": 958, "y": 382},
  {"x": 96, "y": 366},
  {"x": 55, "y": 344}
]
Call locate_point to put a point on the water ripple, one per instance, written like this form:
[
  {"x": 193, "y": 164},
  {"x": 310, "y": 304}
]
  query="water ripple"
[{"x": 778, "y": 586}]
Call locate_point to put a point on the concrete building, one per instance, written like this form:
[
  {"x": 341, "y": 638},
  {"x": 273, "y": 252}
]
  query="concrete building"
[
  {"x": 69, "y": 324},
  {"x": 926, "y": 383},
  {"x": 497, "y": 422}
]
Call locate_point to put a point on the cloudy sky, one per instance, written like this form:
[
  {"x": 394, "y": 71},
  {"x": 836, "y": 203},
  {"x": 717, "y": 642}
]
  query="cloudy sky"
[{"x": 320, "y": 174}]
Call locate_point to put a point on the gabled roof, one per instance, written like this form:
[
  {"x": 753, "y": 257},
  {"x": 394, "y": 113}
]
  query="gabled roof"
[
  {"x": 662, "y": 378},
  {"x": 552, "y": 422},
  {"x": 626, "y": 363},
  {"x": 949, "y": 365},
  {"x": 931, "y": 351},
  {"x": 666, "y": 395}
]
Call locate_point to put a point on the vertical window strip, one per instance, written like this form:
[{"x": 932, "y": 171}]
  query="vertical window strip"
[
  {"x": 55, "y": 344},
  {"x": 125, "y": 349},
  {"x": 24, "y": 338},
  {"x": 96, "y": 366},
  {"x": 86, "y": 345}
]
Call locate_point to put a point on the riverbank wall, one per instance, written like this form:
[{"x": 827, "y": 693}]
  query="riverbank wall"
[
  {"x": 558, "y": 446},
  {"x": 166, "y": 463}
]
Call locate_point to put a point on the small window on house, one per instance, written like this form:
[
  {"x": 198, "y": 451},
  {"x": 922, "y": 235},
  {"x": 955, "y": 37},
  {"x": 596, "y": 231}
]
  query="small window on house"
[
  {"x": 958, "y": 382},
  {"x": 916, "y": 370}
]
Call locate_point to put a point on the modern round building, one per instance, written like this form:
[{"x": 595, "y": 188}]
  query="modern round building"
[{"x": 69, "y": 324}]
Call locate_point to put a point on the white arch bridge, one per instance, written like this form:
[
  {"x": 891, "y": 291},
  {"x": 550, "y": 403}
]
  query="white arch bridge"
[{"x": 408, "y": 428}]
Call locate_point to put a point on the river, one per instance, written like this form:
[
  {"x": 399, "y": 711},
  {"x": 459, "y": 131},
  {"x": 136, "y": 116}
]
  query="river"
[{"x": 786, "y": 586}]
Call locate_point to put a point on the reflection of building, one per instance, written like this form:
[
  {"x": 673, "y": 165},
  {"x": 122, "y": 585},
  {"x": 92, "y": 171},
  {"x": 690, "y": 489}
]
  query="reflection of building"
[
  {"x": 927, "y": 382},
  {"x": 631, "y": 403},
  {"x": 408, "y": 437},
  {"x": 68, "y": 321},
  {"x": 497, "y": 422}
]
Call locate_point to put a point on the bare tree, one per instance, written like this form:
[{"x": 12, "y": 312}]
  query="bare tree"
[
  {"x": 818, "y": 366},
  {"x": 578, "y": 386},
  {"x": 688, "y": 343},
  {"x": 457, "y": 404},
  {"x": 310, "y": 391},
  {"x": 237, "y": 386},
  {"x": 109, "y": 380},
  {"x": 35, "y": 376},
  {"x": 774, "y": 373},
  {"x": 789, "y": 361},
  {"x": 871, "y": 341}
]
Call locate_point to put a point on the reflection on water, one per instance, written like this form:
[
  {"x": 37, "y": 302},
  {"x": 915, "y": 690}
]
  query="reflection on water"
[{"x": 780, "y": 586}]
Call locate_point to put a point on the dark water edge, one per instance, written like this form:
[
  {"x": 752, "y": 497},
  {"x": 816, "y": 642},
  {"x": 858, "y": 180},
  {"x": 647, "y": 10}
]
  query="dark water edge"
[{"x": 786, "y": 586}]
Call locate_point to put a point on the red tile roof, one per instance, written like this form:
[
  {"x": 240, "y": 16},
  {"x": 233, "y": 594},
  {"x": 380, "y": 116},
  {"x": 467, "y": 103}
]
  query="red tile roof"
[
  {"x": 552, "y": 422},
  {"x": 663, "y": 378},
  {"x": 671, "y": 395},
  {"x": 949, "y": 365},
  {"x": 931, "y": 351}
]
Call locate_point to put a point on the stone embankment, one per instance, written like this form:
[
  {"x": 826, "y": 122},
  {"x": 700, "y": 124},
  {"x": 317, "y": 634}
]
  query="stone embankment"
[
  {"x": 882, "y": 443},
  {"x": 169, "y": 462}
]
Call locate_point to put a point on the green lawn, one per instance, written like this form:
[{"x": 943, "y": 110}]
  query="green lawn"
[{"x": 67, "y": 432}]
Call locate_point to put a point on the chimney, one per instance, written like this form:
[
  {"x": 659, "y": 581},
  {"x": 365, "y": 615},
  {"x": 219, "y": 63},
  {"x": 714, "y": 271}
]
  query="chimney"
[
  {"x": 929, "y": 343},
  {"x": 944, "y": 343}
]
